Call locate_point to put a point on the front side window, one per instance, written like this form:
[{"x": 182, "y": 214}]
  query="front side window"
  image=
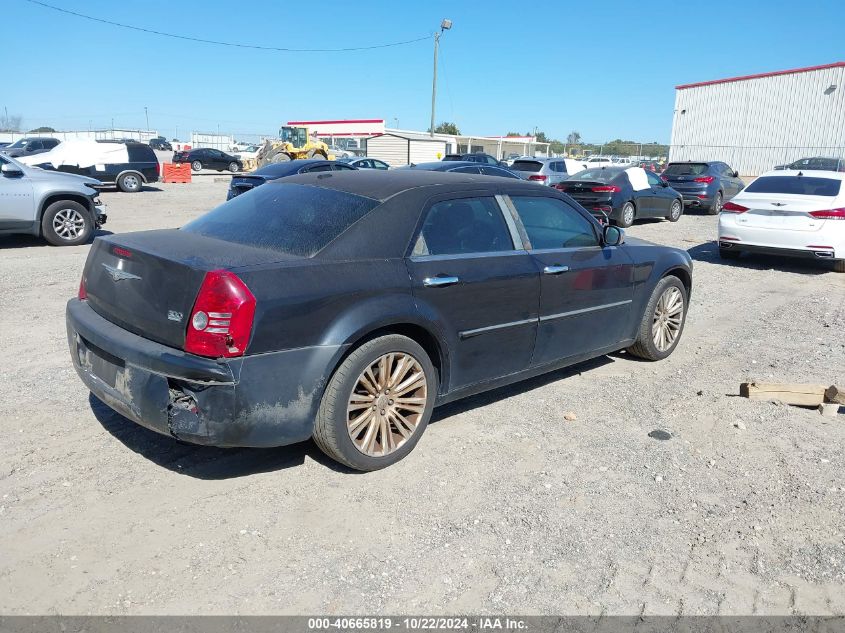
[
  {"x": 653, "y": 179},
  {"x": 466, "y": 170},
  {"x": 464, "y": 226},
  {"x": 552, "y": 223}
]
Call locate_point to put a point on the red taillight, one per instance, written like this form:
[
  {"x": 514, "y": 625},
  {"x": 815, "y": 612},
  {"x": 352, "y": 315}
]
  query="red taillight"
[
  {"x": 731, "y": 207},
  {"x": 221, "y": 320},
  {"x": 538, "y": 177},
  {"x": 82, "y": 294},
  {"x": 605, "y": 189},
  {"x": 664, "y": 178},
  {"x": 707, "y": 179},
  {"x": 829, "y": 214}
]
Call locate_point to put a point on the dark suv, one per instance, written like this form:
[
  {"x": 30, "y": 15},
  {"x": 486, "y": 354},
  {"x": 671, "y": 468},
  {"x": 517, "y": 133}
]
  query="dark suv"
[
  {"x": 142, "y": 168},
  {"x": 161, "y": 144},
  {"x": 816, "y": 163},
  {"x": 30, "y": 146},
  {"x": 704, "y": 184}
]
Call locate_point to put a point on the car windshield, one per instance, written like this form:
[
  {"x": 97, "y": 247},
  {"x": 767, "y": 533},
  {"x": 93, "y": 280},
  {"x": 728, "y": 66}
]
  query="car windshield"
[
  {"x": 527, "y": 165},
  {"x": 797, "y": 185},
  {"x": 686, "y": 169},
  {"x": 18, "y": 144},
  {"x": 597, "y": 175},
  {"x": 287, "y": 218}
]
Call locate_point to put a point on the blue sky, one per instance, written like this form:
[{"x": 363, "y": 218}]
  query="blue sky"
[{"x": 604, "y": 68}]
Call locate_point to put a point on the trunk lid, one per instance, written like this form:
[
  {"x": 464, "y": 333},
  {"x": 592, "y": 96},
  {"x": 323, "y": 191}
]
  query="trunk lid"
[
  {"x": 147, "y": 282},
  {"x": 786, "y": 212},
  {"x": 582, "y": 191}
]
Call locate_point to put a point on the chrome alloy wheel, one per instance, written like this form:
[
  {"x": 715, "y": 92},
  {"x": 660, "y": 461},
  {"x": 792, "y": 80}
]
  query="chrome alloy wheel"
[
  {"x": 68, "y": 224},
  {"x": 668, "y": 317},
  {"x": 386, "y": 404},
  {"x": 131, "y": 182}
]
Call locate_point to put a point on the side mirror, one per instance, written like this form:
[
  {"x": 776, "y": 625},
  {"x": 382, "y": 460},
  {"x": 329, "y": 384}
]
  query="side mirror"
[
  {"x": 663, "y": 183},
  {"x": 503, "y": 163},
  {"x": 11, "y": 171},
  {"x": 28, "y": 148},
  {"x": 736, "y": 174},
  {"x": 613, "y": 235}
]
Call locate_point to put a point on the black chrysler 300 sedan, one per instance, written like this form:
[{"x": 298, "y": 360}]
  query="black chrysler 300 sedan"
[{"x": 345, "y": 306}]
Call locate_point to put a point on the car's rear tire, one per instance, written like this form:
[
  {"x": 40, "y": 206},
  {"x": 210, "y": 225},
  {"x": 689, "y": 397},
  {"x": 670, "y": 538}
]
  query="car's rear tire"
[
  {"x": 663, "y": 320},
  {"x": 728, "y": 253},
  {"x": 66, "y": 223},
  {"x": 130, "y": 183},
  {"x": 196, "y": 165},
  {"x": 716, "y": 207},
  {"x": 233, "y": 167},
  {"x": 360, "y": 423},
  {"x": 627, "y": 215},
  {"x": 675, "y": 211}
]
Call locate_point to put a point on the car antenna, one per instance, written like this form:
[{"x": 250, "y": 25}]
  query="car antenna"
[{"x": 800, "y": 173}]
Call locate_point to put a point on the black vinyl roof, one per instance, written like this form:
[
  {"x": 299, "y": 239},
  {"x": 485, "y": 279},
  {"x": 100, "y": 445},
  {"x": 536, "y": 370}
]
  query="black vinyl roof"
[{"x": 381, "y": 185}]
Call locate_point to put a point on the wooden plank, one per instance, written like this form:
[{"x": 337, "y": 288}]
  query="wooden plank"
[{"x": 801, "y": 395}]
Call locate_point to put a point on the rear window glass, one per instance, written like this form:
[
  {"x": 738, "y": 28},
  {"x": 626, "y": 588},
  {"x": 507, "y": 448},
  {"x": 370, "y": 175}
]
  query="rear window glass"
[
  {"x": 686, "y": 169},
  {"x": 597, "y": 174},
  {"x": 527, "y": 165},
  {"x": 801, "y": 185},
  {"x": 287, "y": 218},
  {"x": 141, "y": 154}
]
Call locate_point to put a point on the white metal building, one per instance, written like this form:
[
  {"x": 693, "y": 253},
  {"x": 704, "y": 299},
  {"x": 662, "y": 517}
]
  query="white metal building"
[
  {"x": 758, "y": 121},
  {"x": 406, "y": 148}
]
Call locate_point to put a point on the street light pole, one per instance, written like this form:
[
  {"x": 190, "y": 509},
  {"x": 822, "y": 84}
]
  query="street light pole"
[
  {"x": 147, "y": 116},
  {"x": 444, "y": 26}
]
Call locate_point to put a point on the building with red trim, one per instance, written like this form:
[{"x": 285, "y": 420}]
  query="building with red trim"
[{"x": 755, "y": 122}]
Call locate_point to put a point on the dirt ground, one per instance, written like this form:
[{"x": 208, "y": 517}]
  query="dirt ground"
[{"x": 504, "y": 506}]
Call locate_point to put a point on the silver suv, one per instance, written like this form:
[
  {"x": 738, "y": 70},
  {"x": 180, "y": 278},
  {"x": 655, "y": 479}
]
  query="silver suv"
[
  {"x": 546, "y": 171},
  {"x": 62, "y": 208}
]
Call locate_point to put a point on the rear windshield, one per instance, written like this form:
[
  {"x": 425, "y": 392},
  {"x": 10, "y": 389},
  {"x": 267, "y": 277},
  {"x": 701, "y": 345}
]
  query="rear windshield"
[
  {"x": 801, "y": 185},
  {"x": 527, "y": 165},
  {"x": 686, "y": 169},
  {"x": 287, "y": 218},
  {"x": 597, "y": 174},
  {"x": 141, "y": 153}
]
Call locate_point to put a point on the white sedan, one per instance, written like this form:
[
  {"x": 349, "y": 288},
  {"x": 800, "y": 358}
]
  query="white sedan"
[{"x": 790, "y": 213}]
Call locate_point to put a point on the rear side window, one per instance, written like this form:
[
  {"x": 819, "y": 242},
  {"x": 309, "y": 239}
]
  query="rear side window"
[
  {"x": 141, "y": 154},
  {"x": 800, "y": 185},
  {"x": 527, "y": 165},
  {"x": 465, "y": 226},
  {"x": 686, "y": 169},
  {"x": 489, "y": 170},
  {"x": 551, "y": 223},
  {"x": 287, "y": 218}
]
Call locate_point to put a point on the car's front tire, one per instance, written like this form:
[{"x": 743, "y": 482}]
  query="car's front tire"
[
  {"x": 663, "y": 320},
  {"x": 66, "y": 223},
  {"x": 377, "y": 403},
  {"x": 839, "y": 266}
]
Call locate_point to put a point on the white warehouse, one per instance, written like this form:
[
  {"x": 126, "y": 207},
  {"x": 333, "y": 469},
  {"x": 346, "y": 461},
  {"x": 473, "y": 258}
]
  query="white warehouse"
[{"x": 758, "y": 121}]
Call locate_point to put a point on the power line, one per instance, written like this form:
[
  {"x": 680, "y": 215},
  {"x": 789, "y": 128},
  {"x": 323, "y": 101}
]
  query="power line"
[{"x": 233, "y": 44}]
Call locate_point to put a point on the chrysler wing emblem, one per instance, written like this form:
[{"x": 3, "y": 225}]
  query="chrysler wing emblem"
[
  {"x": 118, "y": 274},
  {"x": 779, "y": 204}
]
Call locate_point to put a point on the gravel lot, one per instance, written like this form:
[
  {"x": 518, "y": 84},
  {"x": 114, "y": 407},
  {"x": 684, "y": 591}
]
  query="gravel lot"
[{"x": 503, "y": 507}]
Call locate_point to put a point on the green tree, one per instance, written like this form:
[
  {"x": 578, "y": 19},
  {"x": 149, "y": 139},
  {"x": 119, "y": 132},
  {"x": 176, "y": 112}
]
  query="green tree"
[
  {"x": 513, "y": 134},
  {"x": 43, "y": 128},
  {"x": 573, "y": 138},
  {"x": 447, "y": 128},
  {"x": 10, "y": 123},
  {"x": 541, "y": 137}
]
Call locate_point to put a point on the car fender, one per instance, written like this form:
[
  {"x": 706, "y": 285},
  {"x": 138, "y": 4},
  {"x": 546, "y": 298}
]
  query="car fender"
[{"x": 130, "y": 171}]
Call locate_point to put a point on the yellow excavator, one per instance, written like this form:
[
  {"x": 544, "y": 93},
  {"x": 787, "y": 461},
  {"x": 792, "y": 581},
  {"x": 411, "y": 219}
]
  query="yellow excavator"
[{"x": 293, "y": 143}]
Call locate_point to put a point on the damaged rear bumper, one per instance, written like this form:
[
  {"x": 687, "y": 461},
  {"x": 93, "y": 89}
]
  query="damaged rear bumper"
[{"x": 261, "y": 400}]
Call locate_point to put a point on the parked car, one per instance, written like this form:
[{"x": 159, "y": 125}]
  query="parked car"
[
  {"x": 650, "y": 165},
  {"x": 624, "y": 194},
  {"x": 704, "y": 184},
  {"x": 62, "y": 208},
  {"x": 815, "y": 163},
  {"x": 347, "y": 306},
  {"x": 788, "y": 213},
  {"x": 4, "y": 144},
  {"x": 547, "y": 171},
  {"x": 597, "y": 161},
  {"x": 477, "y": 157},
  {"x": 364, "y": 162},
  {"x": 464, "y": 167},
  {"x": 208, "y": 158},
  {"x": 245, "y": 182},
  {"x": 129, "y": 166},
  {"x": 161, "y": 143},
  {"x": 30, "y": 146}
]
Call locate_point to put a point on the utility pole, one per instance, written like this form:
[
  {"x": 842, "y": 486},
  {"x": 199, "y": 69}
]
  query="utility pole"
[
  {"x": 445, "y": 25},
  {"x": 147, "y": 115}
]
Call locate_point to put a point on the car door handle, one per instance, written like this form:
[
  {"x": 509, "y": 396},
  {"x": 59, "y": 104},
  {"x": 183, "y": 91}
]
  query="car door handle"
[
  {"x": 555, "y": 270},
  {"x": 439, "y": 281}
]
